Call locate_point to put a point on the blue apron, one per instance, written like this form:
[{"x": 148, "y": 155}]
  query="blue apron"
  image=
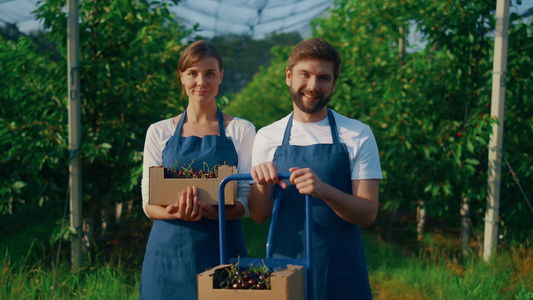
[
  {"x": 338, "y": 264},
  {"x": 178, "y": 250}
]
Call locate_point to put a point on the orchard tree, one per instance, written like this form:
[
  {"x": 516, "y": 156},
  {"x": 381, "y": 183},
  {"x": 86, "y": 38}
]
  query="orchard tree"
[
  {"x": 428, "y": 104},
  {"x": 516, "y": 208},
  {"x": 266, "y": 98},
  {"x": 430, "y": 109},
  {"x": 244, "y": 55},
  {"x": 32, "y": 126},
  {"x": 128, "y": 54}
]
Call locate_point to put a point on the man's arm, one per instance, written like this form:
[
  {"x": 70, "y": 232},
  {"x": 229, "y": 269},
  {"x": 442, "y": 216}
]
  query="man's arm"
[
  {"x": 359, "y": 208},
  {"x": 260, "y": 202},
  {"x": 261, "y": 197}
]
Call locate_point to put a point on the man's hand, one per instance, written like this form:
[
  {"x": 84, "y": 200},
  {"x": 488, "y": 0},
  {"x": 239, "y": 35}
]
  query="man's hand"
[
  {"x": 360, "y": 207},
  {"x": 307, "y": 182},
  {"x": 267, "y": 174},
  {"x": 261, "y": 195}
]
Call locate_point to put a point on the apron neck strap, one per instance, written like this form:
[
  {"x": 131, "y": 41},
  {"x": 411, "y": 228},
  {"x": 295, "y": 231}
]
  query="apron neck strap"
[
  {"x": 220, "y": 117},
  {"x": 221, "y": 128},
  {"x": 287, "y": 134},
  {"x": 332, "y": 126}
]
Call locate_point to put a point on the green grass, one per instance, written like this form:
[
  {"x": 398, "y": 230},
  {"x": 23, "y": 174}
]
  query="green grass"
[
  {"x": 256, "y": 237},
  {"x": 396, "y": 271},
  {"x": 26, "y": 279},
  {"x": 436, "y": 275}
]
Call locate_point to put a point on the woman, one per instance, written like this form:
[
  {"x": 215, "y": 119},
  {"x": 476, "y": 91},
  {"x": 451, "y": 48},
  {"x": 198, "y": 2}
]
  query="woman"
[{"x": 184, "y": 237}]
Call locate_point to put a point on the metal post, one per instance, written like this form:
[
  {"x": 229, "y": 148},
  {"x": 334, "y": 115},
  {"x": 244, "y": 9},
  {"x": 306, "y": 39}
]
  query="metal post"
[
  {"x": 496, "y": 139},
  {"x": 74, "y": 131}
]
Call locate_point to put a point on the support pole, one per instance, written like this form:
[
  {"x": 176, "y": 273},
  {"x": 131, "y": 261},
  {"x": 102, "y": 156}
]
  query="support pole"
[
  {"x": 496, "y": 139},
  {"x": 74, "y": 136}
]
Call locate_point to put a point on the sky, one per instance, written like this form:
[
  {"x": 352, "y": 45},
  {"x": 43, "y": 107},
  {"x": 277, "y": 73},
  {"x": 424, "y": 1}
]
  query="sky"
[{"x": 254, "y": 17}]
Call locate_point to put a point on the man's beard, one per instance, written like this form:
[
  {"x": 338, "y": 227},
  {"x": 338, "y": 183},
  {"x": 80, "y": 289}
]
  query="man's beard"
[{"x": 306, "y": 107}]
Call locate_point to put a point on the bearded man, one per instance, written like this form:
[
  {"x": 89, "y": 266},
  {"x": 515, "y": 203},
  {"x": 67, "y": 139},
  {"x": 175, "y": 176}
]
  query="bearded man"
[{"x": 332, "y": 158}]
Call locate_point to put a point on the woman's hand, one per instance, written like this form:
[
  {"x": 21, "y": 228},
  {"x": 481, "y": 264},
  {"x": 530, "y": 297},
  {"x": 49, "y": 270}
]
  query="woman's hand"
[
  {"x": 187, "y": 207},
  {"x": 208, "y": 211},
  {"x": 233, "y": 212}
]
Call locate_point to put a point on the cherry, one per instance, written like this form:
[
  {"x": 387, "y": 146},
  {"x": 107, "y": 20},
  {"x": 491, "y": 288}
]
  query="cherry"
[
  {"x": 261, "y": 286},
  {"x": 245, "y": 285}
]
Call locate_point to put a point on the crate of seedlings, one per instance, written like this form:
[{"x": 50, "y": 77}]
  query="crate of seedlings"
[
  {"x": 166, "y": 183},
  {"x": 234, "y": 282}
]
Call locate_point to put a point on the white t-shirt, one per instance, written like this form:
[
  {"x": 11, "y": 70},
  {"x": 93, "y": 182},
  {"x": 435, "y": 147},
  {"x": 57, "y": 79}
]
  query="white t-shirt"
[
  {"x": 241, "y": 132},
  {"x": 358, "y": 137}
]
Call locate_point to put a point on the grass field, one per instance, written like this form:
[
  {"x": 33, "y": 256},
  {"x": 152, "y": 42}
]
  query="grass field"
[{"x": 396, "y": 271}]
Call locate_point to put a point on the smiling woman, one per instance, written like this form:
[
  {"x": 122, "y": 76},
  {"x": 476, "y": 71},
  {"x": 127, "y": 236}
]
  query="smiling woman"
[
  {"x": 183, "y": 241},
  {"x": 200, "y": 82}
]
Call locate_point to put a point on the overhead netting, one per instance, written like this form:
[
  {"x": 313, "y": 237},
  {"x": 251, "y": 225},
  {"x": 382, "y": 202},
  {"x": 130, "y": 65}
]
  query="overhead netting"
[{"x": 256, "y": 18}]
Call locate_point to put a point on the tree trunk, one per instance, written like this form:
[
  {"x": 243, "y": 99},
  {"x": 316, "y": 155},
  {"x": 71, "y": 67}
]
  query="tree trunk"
[
  {"x": 105, "y": 220},
  {"x": 420, "y": 219},
  {"x": 466, "y": 229},
  {"x": 88, "y": 232},
  {"x": 118, "y": 211}
]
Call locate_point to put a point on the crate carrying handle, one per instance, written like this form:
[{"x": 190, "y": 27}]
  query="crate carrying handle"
[
  {"x": 222, "y": 212},
  {"x": 222, "y": 223}
]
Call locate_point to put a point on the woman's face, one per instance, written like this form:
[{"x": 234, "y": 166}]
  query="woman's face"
[{"x": 202, "y": 79}]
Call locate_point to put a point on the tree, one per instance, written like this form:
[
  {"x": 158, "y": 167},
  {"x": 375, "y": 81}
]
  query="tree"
[
  {"x": 129, "y": 53},
  {"x": 31, "y": 117},
  {"x": 266, "y": 98},
  {"x": 429, "y": 109},
  {"x": 244, "y": 55}
]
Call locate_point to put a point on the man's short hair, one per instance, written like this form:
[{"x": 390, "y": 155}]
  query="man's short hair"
[{"x": 316, "y": 49}]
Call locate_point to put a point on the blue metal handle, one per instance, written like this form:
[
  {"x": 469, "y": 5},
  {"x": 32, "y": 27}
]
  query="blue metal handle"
[
  {"x": 275, "y": 210},
  {"x": 222, "y": 211}
]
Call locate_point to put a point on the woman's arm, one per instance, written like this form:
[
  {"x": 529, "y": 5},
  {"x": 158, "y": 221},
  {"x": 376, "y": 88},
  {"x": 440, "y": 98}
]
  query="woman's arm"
[{"x": 152, "y": 156}]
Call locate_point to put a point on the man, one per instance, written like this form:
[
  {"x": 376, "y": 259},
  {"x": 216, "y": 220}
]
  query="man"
[{"x": 331, "y": 157}]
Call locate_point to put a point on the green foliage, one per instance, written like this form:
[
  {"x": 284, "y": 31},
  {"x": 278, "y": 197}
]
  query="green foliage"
[
  {"x": 518, "y": 128},
  {"x": 243, "y": 56},
  {"x": 266, "y": 98},
  {"x": 32, "y": 125},
  {"x": 430, "y": 109},
  {"x": 128, "y": 55}
]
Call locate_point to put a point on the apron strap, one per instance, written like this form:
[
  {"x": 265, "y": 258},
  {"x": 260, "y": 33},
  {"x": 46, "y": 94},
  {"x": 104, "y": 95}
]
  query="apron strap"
[
  {"x": 221, "y": 128},
  {"x": 287, "y": 134},
  {"x": 332, "y": 126},
  {"x": 180, "y": 123},
  {"x": 220, "y": 117}
]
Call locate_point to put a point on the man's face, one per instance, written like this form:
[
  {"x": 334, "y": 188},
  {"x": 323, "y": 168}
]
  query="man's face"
[{"x": 311, "y": 84}]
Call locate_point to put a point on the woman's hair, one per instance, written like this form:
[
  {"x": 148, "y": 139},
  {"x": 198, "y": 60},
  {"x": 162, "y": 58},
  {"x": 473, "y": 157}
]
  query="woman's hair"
[
  {"x": 196, "y": 52},
  {"x": 316, "y": 49}
]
